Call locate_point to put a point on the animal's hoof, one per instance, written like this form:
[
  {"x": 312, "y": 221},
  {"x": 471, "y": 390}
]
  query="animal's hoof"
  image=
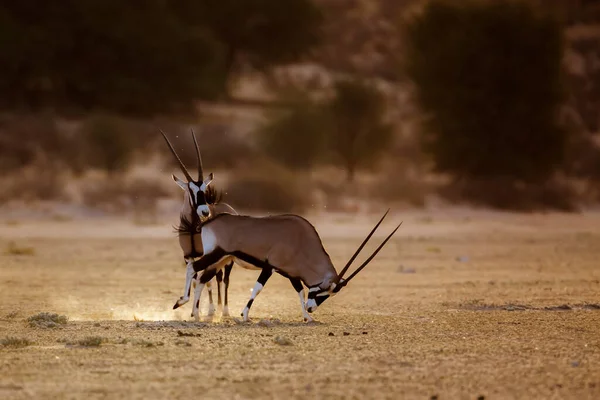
[
  {"x": 225, "y": 312},
  {"x": 176, "y": 306},
  {"x": 211, "y": 310}
]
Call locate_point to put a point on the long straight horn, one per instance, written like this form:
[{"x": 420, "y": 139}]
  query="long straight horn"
[
  {"x": 183, "y": 169},
  {"x": 341, "y": 275},
  {"x": 368, "y": 260},
  {"x": 198, "y": 157}
]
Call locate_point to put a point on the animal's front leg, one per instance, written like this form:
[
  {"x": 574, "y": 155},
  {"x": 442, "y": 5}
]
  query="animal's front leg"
[
  {"x": 260, "y": 284},
  {"x": 297, "y": 284},
  {"x": 206, "y": 276},
  {"x": 189, "y": 275}
]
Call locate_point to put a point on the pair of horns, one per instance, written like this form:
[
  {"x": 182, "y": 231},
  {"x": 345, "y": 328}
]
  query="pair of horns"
[
  {"x": 181, "y": 165},
  {"x": 343, "y": 282}
]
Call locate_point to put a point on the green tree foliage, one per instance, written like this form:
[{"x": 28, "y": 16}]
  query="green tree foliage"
[
  {"x": 488, "y": 77},
  {"x": 358, "y": 133},
  {"x": 295, "y": 137},
  {"x": 262, "y": 33}
]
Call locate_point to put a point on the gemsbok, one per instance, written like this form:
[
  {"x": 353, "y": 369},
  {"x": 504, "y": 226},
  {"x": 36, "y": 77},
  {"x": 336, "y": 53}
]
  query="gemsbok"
[
  {"x": 287, "y": 244},
  {"x": 200, "y": 200}
]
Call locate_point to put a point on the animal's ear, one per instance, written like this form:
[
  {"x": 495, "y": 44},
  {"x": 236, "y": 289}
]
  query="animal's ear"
[
  {"x": 179, "y": 182},
  {"x": 207, "y": 181}
]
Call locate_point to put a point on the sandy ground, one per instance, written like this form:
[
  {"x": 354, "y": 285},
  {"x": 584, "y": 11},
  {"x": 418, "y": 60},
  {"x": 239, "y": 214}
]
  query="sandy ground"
[{"x": 460, "y": 305}]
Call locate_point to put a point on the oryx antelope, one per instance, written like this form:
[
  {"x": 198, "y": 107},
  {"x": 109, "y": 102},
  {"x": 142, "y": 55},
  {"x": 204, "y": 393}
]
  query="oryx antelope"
[
  {"x": 200, "y": 201},
  {"x": 286, "y": 244}
]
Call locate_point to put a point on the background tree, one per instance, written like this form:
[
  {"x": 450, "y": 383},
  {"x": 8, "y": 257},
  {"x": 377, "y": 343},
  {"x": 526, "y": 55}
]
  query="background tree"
[
  {"x": 295, "y": 137},
  {"x": 262, "y": 33},
  {"x": 358, "y": 133},
  {"x": 127, "y": 57},
  {"x": 107, "y": 146},
  {"x": 488, "y": 79}
]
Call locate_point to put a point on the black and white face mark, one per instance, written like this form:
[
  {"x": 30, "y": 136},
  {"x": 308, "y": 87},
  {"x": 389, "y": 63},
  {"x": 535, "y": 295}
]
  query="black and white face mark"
[
  {"x": 198, "y": 198},
  {"x": 316, "y": 296},
  {"x": 196, "y": 191}
]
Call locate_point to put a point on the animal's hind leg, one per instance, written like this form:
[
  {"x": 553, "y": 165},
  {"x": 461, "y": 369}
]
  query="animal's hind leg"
[
  {"x": 297, "y": 284},
  {"x": 219, "y": 280},
  {"x": 204, "y": 278},
  {"x": 260, "y": 284},
  {"x": 228, "y": 268},
  {"x": 211, "y": 306}
]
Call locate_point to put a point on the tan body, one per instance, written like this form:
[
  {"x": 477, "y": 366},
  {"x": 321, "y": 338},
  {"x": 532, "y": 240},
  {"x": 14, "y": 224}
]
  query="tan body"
[{"x": 288, "y": 243}]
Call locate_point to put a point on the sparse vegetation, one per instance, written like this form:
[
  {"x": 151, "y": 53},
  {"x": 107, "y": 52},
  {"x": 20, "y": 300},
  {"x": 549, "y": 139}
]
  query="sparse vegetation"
[
  {"x": 146, "y": 343},
  {"x": 14, "y": 249},
  {"x": 47, "y": 320},
  {"x": 295, "y": 138},
  {"x": 89, "y": 341},
  {"x": 15, "y": 342},
  {"x": 274, "y": 189}
]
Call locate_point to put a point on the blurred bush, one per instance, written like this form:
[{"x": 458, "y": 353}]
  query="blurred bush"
[
  {"x": 295, "y": 138},
  {"x": 358, "y": 134},
  {"x": 25, "y": 139},
  {"x": 267, "y": 188},
  {"x": 506, "y": 194},
  {"x": 41, "y": 181},
  {"x": 116, "y": 193},
  {"x": 348, "y": 129},
  {"x": 488, "y": 80},
  {"x": 106, "y": 145}
]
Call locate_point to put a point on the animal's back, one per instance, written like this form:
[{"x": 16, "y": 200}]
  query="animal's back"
[{"x": 288, "y": 242}]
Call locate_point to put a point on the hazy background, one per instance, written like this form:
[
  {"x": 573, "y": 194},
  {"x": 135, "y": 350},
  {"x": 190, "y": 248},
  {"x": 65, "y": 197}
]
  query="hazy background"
[{"x": 300, "y": 105}]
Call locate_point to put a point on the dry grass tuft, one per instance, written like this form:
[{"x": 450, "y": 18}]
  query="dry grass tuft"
[
  {"x": 146, "y": 343},
  {"x": 12, "y": 249},
  {"x": 89, "y": 341},
  {"x": 15, "y": 342},
  {"x": 47, "y": 320}
]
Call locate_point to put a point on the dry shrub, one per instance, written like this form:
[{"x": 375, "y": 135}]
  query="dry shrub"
[
  {"x": 15, "y": 250},
  {"x": 118, "y": 193},
  {"x": 15, "y": 342},
  {"x": 555, "y": 194},
  {"x": 47, "y": 320},
  {"x": 88, "y": 341},
  {"x": 397, "y": 190},
  {"x": 267, "y": 188},
  {"x": 24, "y": 137},
  {"x": 37, "y": 182}
]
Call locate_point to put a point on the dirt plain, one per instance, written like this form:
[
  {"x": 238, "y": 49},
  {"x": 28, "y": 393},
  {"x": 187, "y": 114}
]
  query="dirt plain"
[{"x": 460, "y": 305}]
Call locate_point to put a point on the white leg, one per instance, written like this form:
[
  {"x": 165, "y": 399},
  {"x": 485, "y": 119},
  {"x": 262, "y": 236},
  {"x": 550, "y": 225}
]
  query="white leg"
[
  {"x": 305, "y": 314},
  {"x": 260, "y": 283},
  {"x": 211, "y": 306},
  {"x": 196, "y": 306},
  {"x": 189, "y": 274},
  {"x": 258, "y": 287}
]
